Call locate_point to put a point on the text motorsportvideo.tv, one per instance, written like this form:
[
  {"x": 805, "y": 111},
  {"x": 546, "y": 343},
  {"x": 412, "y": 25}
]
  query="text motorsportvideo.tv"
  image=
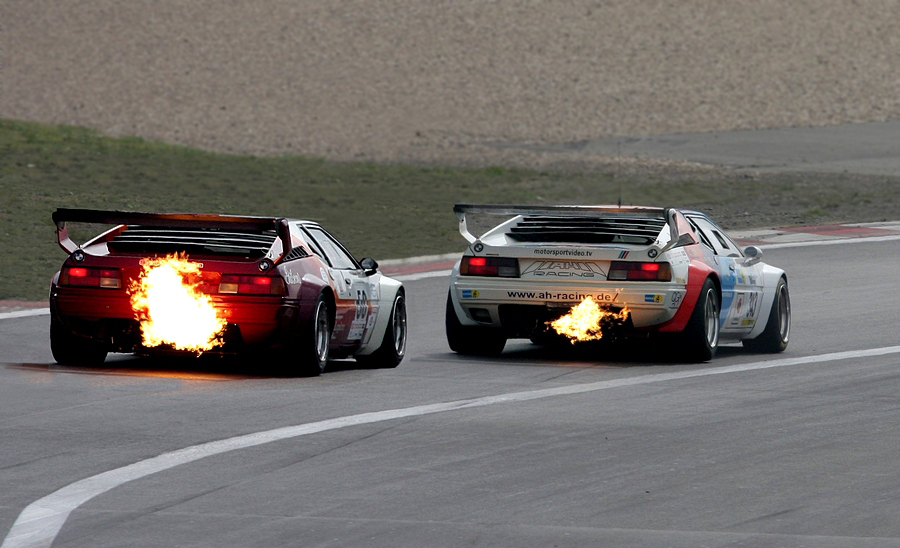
[{"x": 564, "y": 252}]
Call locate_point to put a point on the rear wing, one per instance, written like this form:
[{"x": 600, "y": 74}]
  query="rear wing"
[
  {"x": 667, "y": 214},
  {"x": 174, "y": 220}
]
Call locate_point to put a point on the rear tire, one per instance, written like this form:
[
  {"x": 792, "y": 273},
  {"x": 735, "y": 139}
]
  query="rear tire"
[
  {"x": 700, "y": 338},
  {"x": 70, "y": 349},
  {"x": 311, "y": 344},
  {"x": 478, "y": 341},
  {"x": 393, "y": 345},
  {"x": 777, "y": 332}
]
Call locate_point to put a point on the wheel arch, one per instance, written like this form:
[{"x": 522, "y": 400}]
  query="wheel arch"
[{"x": 328, "y": 294}]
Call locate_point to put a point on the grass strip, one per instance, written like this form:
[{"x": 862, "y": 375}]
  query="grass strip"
[{"x": 378, "y": 210}]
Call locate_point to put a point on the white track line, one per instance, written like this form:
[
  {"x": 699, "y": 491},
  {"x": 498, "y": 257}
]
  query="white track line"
[
  {"x": 24, "y": 313},
  {"x": 421, "y": 275},
  {"x": 810, "y": 243},
  {"x": 40, "y": 522}
]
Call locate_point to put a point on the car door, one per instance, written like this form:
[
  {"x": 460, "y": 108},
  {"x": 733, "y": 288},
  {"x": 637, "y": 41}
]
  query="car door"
[
  {"x": 355, "y": 310},
  {"x": 741, "y": 284}
]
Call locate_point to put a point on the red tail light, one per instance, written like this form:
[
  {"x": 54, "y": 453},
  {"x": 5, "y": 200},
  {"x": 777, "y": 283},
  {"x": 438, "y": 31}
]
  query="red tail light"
[
  {"x": 107, "y": 278},
  {"x": 489, "y": 266},
  {"x": 252, "y": 285},
  {"x": 655, "y": 272}
]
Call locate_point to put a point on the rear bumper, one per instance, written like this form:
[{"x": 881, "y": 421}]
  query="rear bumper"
[
  {"x": 514, "y": 305},
  {"x": 107, "y": 317}
]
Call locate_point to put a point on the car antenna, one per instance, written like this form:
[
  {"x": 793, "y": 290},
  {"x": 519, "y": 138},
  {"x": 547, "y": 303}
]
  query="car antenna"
[{"x": 618, "y": 162}]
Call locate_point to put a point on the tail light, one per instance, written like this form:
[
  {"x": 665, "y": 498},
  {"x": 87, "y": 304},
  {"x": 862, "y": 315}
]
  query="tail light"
[
  {"x": 489, "y": 266},
  {"x": 637, "y": 272},
  {"x": 107, "y": 278},
  {"x": 252, "y": 285}
]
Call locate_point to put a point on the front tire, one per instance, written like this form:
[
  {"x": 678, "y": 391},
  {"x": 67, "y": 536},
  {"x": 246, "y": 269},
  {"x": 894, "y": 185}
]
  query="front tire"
[
  {"x": 479, "y": 341},
  {"x": 70, "y": 349},
  {"x": 775, "y": 336},
  {"x": 393, "y": 345},
  {"x": 700, "y": 338}
]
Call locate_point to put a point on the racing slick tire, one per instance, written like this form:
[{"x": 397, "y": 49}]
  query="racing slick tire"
[
  {"x": 311, "y": 344},
  {"x": 393, "y": 346},
  {"x": 479, "y": 341},
  {"x": 700, "y": 337},
  {"x": 776, "y": 334},
  {"x": 69, "y": 349}
]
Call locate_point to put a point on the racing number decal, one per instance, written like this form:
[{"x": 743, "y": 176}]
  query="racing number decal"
[
  {"x": 743, "y": 311},
  {"x": 358, "y": 325},
  {"x": 751, "y": 307},
  {"x": 362, "y": 304}
]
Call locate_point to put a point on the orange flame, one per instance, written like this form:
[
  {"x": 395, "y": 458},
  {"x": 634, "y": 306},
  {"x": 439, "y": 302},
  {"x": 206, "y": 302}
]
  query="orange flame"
[
  {"x": 587, "y": 320},
  {"x": 170, "y": 307}
]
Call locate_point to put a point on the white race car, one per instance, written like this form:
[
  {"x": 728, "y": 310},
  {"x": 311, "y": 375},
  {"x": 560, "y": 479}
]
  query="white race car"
[{"x": 581, "y": 272}]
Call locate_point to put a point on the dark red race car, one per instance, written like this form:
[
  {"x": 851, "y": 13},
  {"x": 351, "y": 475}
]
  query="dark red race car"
[{"x": 204, "y": 283}]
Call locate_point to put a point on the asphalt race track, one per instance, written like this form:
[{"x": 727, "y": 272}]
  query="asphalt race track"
[{"x": 535, "y": 448}]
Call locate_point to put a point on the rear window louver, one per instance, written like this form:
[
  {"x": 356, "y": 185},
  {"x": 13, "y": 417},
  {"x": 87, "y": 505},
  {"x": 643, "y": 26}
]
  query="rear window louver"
[
  {"x": 588, "y": 230},
  {"x": 194, "y": 241}
]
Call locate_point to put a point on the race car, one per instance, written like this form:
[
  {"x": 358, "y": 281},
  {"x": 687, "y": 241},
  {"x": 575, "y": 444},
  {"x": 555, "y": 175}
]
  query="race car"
[
  {"x": 278, "y": 287},
  {"x": 641, "y": 271}
]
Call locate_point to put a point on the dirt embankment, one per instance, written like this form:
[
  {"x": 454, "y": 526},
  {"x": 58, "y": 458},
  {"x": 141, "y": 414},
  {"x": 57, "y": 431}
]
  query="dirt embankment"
[{"x": 434, "y": 81}]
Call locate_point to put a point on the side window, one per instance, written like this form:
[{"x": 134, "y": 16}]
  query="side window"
[
  {"x": 722, "y": 241},
  {"x": 307, "y": 244},
  {"x": 712, "y": 234},
  {"x": 700, "y": 233},
  {"x": 332, "y": 251}
]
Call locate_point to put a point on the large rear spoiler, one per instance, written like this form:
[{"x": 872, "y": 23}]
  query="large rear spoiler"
[
  {"x": 175, "y": 220},
  {"x": 561, "y": 211}
]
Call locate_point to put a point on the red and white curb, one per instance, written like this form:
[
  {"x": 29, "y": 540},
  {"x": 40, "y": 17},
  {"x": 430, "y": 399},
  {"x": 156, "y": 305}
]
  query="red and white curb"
[{"x": 805, "y": 235}]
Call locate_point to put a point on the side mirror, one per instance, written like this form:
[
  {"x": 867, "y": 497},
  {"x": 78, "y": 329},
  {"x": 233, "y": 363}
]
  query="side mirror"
[
  {"x": 752, "y": 255},
  {"x": 369, "y": 265}
]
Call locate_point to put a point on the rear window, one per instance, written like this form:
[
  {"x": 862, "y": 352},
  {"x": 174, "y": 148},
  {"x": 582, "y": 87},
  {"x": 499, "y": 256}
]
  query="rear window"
[
  {"x": 193, "y": 241},
  {"x": 629, "y": 229}
]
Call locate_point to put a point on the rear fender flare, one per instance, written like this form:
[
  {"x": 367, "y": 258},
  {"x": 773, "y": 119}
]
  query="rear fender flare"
[
  {"x": 698, "y": 273},
  {"x": 454, "y": 299}
]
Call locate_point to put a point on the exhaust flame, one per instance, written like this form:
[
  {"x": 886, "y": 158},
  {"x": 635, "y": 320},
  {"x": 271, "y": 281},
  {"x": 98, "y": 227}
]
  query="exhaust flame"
[
  {"x": 170, "y": 307},
  {"x": 587, "y": 321}
]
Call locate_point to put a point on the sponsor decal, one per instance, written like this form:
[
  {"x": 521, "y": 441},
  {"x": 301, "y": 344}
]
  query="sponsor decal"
[
  {"x": 747, "y": 322},
  {"x": 470, "y": 293},
  {"x": 623, "y": 254},
  {"x": 563, "y": 269},
  {"x": 676, "y": 299},
  {"x": 292, "y": 278},
  {"x": 562, "y": 296},
  {"x": 655, "y": 299},
  {"x": 564, "y": 252}
]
